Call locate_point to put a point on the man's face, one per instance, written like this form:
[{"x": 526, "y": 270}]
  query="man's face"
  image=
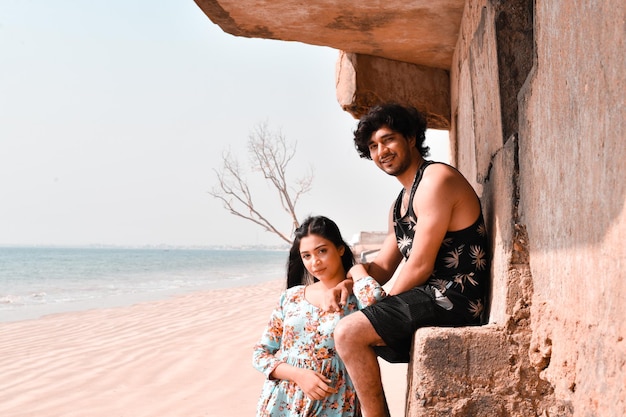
[{"x": 390, "y": 151}]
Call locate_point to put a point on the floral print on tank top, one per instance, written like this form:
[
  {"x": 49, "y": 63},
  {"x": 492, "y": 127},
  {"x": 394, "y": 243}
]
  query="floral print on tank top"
[{"x": 462, "y": 266}]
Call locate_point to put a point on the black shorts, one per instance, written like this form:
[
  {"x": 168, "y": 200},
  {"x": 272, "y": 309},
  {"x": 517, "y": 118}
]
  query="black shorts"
[{"x": 396, "y": 318}]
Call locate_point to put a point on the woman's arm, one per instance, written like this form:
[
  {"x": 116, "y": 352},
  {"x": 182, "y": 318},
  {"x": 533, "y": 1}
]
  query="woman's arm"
[
  {"x": 366, "y": 289},
  {"x": 263, "y": 352},
  {"x": 381, "y": 269},
  {"x": 313, "y": 384}
]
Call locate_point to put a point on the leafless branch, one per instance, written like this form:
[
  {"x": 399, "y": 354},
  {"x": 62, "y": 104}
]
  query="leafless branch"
[{"x": 270, "y": 154}]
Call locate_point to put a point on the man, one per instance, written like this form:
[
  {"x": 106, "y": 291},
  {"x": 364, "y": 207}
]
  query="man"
[{"x": 436, "y": 226}]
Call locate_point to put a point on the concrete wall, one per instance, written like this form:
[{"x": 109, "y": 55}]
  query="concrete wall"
[
  {"x": 539, "y": 128},
  {"x": 573, "y": 191}
]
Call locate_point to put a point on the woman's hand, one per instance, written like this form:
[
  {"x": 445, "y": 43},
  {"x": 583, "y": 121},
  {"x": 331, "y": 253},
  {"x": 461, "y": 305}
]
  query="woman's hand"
[
  {"x": 313, "y": 384},
  {"x": 337, "y": 297}
]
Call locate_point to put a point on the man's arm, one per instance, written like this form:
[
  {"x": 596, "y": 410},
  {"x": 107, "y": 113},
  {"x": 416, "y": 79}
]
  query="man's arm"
[
  {"x": 433, "y": 204},
  {"x": 388, "y": 258}
]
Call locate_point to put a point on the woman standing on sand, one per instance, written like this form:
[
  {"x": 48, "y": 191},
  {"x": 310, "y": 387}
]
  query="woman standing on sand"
[{"x": 305, "y": 376}]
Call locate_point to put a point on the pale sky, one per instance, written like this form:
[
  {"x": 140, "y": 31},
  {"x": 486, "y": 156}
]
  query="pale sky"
[{"x": 114, "y": 115}]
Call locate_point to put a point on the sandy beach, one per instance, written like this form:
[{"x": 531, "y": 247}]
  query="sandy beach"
[{"x": 185, "y": 356}]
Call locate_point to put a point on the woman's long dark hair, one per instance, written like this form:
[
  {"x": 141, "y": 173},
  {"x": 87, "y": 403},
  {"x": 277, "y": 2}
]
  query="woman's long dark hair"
[{"x": 322, "y": 226}]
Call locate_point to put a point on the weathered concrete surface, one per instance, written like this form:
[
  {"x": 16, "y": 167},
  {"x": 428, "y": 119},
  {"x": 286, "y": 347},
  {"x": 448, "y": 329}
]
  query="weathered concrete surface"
[
  {"x": 572, "y": 198},
  {"x": 499, "y": 208},
  {"x": 566, "y": 130},
  {"x": 365, "y": 80},
  {"x": 482, "y": 367},
  {"x": 477, "y": 358},
  {"x": 483, "y": 70},
  {"x": 421, "y": 32}
]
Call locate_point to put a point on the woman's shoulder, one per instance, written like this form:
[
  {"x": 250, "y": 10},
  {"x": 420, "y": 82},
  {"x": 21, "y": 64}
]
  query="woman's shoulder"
[
  {"x": 293, "y": 294},
  {"x": 294, "y": 289}
]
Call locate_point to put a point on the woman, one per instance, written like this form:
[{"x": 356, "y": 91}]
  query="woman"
[{"x": 305, "y": 376}]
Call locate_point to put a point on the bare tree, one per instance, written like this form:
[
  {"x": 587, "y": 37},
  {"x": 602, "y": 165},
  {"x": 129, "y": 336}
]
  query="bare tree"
[{"x": 270, "y": 154}]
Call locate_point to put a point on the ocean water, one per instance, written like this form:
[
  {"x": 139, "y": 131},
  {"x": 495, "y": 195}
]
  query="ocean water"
[{"x": 37, "y": 281}]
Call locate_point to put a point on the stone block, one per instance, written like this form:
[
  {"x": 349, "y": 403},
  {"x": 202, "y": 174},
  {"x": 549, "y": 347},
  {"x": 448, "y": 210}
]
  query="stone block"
[
  {"x": 364, "y": 81},
  {"x": 458, "y": 372}
]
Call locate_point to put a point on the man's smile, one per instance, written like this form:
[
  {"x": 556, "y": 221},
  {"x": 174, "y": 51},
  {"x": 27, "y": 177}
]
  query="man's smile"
[{"x": 386, "y": 159}]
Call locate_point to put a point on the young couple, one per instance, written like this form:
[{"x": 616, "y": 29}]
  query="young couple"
[{"x": 319, "y": 350}]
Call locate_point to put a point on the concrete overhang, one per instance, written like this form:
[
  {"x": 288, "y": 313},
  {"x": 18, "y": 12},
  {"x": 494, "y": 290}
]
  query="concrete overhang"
[{"x": 422, "y": 32}]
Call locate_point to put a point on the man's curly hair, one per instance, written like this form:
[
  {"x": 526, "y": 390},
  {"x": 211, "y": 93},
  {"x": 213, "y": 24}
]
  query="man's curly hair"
[{"x": 405, "y": 120}]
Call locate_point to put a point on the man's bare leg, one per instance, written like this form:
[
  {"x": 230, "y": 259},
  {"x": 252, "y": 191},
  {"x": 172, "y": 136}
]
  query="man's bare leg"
[{"x": 354, "y": 338}]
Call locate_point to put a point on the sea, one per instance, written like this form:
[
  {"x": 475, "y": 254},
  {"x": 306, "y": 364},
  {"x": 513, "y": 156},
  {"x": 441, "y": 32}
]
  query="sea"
[{"x": 37, "y": 281}]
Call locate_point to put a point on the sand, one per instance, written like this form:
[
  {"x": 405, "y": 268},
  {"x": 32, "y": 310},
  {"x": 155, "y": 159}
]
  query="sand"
[{"x": 185, "y": 356}]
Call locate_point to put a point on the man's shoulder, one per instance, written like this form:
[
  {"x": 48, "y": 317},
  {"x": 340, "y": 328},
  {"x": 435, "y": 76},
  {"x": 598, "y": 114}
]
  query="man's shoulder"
[
  {"x": 438, "y": 175},
  {"x": 442, "y": 168},
  {"x": 444, "y": 174}
]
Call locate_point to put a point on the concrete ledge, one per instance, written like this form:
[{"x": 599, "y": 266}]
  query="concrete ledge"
[{"x": 458, "y": 372}]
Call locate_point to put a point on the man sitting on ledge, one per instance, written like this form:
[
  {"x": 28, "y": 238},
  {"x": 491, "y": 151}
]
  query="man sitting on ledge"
[{"x": 436, "y": 225}]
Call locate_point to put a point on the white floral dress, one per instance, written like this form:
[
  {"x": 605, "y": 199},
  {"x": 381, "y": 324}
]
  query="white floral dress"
[{"x": 301, "y": 334}]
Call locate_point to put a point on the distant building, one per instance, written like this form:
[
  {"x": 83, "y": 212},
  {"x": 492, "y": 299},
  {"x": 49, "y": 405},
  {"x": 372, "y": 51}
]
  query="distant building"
[{"x": 367, "y": 243}]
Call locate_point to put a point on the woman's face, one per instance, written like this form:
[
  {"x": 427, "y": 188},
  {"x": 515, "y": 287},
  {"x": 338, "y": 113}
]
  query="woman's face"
[{"x": 322, "y": 259}]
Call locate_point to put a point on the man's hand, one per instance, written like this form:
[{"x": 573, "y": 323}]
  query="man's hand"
[
  {"x": 337, "y": 297},
  {"x": 314, "y": 385}
]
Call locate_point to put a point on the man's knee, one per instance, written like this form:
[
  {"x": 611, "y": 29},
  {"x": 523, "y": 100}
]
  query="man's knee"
[
  {"x": 343, "y": 334},
  {"x": 352, "y": 331}
]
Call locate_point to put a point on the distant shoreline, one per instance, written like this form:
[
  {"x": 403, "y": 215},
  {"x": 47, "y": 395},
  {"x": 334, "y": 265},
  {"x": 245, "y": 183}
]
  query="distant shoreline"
[{"x": 37, "y": 281}]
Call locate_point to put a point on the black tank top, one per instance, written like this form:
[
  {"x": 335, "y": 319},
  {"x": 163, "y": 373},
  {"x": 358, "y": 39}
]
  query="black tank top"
[{"x": 462, "y": 266}]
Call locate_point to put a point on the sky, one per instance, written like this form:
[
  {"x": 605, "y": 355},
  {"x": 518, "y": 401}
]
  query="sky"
[{"x": 115, "y": 115}]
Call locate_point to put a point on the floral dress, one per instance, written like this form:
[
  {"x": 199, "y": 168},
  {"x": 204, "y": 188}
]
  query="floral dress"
[{"x": 301, "y": 334}]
